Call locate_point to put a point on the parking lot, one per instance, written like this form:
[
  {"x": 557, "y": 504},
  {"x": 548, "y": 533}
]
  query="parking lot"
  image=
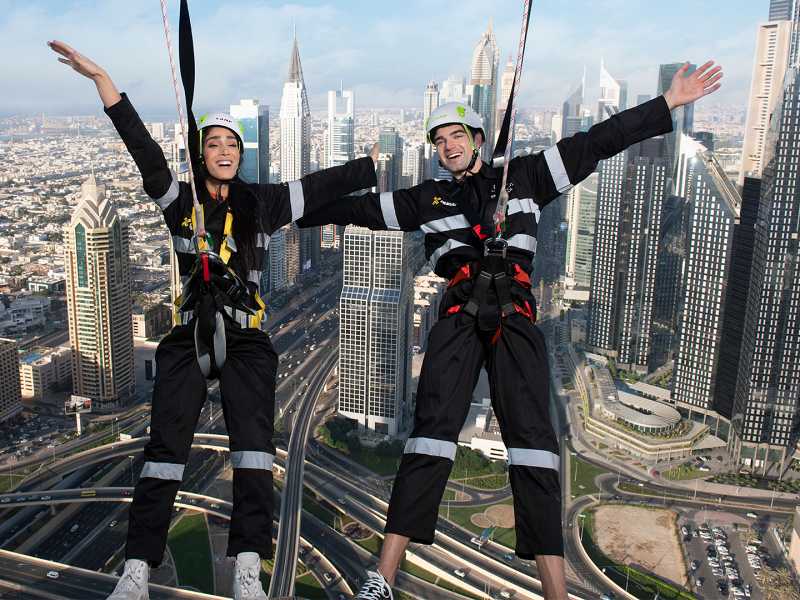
[{"x": 724, "y": 555}]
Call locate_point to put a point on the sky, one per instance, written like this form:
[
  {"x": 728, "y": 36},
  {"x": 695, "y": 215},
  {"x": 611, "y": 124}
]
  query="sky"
[{"x": 385, "y": 51}]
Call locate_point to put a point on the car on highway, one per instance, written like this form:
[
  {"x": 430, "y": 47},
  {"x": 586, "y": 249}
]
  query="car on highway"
[
  {"x": 752, "y": 515},
  {"x": 328, "y": 577},
  {"x": 113, "y": 523},
  {"x": 52, "y": 574},
  {"x": 460, "y": 573}
]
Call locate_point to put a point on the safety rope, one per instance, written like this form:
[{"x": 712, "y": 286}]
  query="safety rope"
[
  {"x": 200, "y": 232},
  {"x": 509, "y": 120}
]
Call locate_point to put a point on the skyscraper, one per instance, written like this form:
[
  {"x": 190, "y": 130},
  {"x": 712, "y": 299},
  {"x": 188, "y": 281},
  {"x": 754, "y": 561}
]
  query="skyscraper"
[
  {"x": 429, "y": 105},
  {"x": 412, "y": 166},
  {"x": 506, "y": 83},
  {"x": 99, "y": 300},
  {"x": 295, "y": 122},
  {"x": 454, "y": 89},
  {"x": 766, "y": 415},
  {"x": 575, "y": 117},
  {"x": 582, "y": 216},
  {"x": 609, "y": 102},
  {"x": 714, "y": 211},
  {"x": 769, "y": 65},
  {"x": 341, "y": 127},
  {"x": 631, "y": 192},
  {"x": 780, "y": 10},
  {"x": 483, "y": 81},
  {"x": 682, "y": 117},
  {"x": 254, "y": 119},
  {"x": 10, "y": 390},
  {"x": 431, "y": 100},
  {"x": 375, "y": 326},
  {"x": 392, "y": 144}
]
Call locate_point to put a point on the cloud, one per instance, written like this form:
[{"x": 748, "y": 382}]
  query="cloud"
[{"x": 388, "y": 53}]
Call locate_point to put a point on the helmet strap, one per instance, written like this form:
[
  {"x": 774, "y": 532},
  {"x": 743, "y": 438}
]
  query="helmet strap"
[{"x": 475, "y": 150}]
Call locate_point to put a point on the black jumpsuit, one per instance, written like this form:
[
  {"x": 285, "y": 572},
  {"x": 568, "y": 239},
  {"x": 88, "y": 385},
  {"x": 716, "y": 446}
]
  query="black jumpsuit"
[
  {"x": 247, "y": 379},
  {"x": 455, "y": 216}
]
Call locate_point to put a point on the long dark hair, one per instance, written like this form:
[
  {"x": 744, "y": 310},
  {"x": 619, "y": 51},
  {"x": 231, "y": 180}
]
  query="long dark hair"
[{"x": 248, "y": 221}]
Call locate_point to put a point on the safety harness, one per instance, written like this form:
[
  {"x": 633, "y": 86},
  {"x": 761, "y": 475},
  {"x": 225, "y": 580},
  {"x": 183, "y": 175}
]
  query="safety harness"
[
  {"x": 214, "y": 292},
  {"x": 494, "y": 272}
]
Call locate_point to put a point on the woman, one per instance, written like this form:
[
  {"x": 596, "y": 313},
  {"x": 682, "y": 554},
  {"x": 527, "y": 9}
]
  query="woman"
[{"x": 240, "y": 217}]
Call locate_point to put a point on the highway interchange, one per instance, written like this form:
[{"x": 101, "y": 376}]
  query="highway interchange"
[{"x": 302, "y": 374}]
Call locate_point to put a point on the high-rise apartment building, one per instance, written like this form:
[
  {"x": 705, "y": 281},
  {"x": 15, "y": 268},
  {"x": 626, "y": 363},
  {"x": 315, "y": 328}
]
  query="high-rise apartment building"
[
  {"x": 766, "y": 416},
  {"x": 631, "y": 192},
  {"x": 375, "y": 316},
  {"x": 769, "y": 64},
  {"x": 581, "y": 217},
  {"x": 99, "y": 300},
  {"x": 713, "y": 215},
  {"x": 10, "y": 390}
]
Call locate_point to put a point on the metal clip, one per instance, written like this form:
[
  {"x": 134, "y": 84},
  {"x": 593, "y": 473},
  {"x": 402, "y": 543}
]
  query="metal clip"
[{"x": 495, "y": 247}]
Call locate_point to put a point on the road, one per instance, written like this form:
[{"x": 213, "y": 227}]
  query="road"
[{"x": 283, "y": 577}]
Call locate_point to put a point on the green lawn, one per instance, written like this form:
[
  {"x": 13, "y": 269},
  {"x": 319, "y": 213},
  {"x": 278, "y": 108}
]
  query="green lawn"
[
  {"x": 683, "y": 472},
  {"x": 189, "y": 544},
  {"x": 461, "y": 516},
  {"x": 582, "y": 476},
  {"x": 486, "y": 482}
]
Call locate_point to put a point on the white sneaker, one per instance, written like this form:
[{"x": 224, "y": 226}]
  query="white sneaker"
[
  {"x": 375, "y": 588},
  {"x": 246, "y": 582},
  {"x": 132, "y": 585}
]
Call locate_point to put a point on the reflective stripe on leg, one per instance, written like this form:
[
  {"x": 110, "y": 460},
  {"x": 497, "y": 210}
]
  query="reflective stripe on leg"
[
  {"x": 252, "y": 459},
  {"x": 529, "y": 457},
  {"x": 431, "y": 447},
  {"x": 159, "y": 470}
]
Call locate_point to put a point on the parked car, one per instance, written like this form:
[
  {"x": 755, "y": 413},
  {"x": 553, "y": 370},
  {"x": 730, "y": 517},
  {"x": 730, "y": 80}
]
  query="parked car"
[{"x": 52, "y": 574}]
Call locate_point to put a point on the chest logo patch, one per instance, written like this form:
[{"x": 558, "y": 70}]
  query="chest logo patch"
[
  {"x": 187, "y": 222},
  {"x": 437, "y": 200}
]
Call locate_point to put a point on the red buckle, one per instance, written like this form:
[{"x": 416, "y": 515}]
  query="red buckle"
[
  {"x": 521, "y": 276},
  {"x": 463, "y": 273},
  {"x": 206, "y": 272},
  {"x": 477, "y": 230}
]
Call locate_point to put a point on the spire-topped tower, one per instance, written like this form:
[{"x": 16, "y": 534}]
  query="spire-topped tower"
[
  {"x": 483, "y": 78},
  {"x": 295, "y": 121}
]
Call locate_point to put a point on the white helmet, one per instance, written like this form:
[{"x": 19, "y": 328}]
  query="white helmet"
[
  {"x": 222, "y": 120},
  {"x": 453, "y": 113}
]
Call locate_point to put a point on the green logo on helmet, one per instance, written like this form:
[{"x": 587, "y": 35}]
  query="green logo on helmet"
[{"x": 461, "y": 111}]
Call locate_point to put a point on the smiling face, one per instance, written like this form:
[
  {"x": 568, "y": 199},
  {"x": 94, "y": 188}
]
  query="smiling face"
[
  {"x": 453, "y": 145},
  {"x": 221, "y": 153}
]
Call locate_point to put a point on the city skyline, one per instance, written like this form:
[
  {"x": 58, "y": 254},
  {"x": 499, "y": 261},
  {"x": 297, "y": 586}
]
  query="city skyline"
[{"x": 246, "y": 69}]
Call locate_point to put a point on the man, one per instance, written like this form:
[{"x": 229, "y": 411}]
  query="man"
[{"x": 487, "y": 317}]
